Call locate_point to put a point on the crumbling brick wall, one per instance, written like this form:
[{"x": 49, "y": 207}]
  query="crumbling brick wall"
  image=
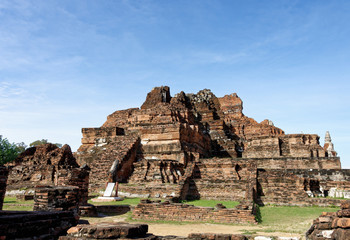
[
  {"x": 280, "y": 187},
  {"x": 40, "y": 165},
  {"x": 149, "y": 210},
  {"x": 101, "y": 158},
  {"x": 300, "y": 186},
  {"x": 329, "y": 182}
]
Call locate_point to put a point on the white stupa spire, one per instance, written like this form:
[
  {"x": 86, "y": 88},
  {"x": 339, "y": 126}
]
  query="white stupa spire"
[
  {"x": 327, "y": 138},
  {"x": 328, "y": 145}
]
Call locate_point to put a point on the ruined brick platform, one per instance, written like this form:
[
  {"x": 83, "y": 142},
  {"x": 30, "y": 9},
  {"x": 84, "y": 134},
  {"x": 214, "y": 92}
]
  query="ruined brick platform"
[{"x": 153, "y": 210}]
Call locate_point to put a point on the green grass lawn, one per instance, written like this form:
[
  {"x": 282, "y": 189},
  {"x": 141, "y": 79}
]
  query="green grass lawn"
[
  {"x": 273, "y": 218},
  {"x": 12, "y": 204},
  {"x": 14, "y": 200},
  {"x": 125, "y": 201},
  {"x": 290, "y": 219},
  {"x": 199, "y": 203}
]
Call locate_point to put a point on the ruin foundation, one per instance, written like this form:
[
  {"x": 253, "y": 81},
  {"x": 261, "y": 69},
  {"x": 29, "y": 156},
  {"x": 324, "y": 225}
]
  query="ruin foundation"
[{"x": 148, "y": 210}]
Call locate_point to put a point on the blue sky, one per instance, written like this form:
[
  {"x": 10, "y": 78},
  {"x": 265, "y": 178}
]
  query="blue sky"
[{"x": 65, "y": 65}]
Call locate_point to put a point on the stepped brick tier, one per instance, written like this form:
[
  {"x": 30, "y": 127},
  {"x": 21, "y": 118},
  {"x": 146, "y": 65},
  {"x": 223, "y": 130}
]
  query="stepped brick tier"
[
  {"x": 331, "y": 225},
  {"x": 3, "y": 182},
  {"x": 35, "y": 225},
  {"x": 155, "y": 210},
  {"x": 193, "y": 146}
]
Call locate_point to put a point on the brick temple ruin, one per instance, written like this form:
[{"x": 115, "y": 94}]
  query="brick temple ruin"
[
  {"x": 193, "y": 146},
  {"x": 189, "y": 146}
]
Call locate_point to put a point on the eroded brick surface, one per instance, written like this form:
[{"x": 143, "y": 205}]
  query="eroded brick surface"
[{"x": 335, "y": 225}]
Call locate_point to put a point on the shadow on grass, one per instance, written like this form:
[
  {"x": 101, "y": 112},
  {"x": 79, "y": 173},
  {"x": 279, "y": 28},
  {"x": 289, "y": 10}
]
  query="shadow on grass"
[{"x": 258, "y": 216}]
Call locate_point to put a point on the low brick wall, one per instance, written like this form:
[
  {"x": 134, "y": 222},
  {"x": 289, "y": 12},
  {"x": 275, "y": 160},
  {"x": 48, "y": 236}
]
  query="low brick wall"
[
  {"x": 35, "y": 225},
  {"x": 3, "y": 180},
  {"x": 150, "y": 210}
]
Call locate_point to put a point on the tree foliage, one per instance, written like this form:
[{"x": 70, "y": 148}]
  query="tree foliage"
[
  {"x": 38, "y": 142},
  {"x": 41, "y": 142},
  {"x": 8, "y": 151},
  {"x": 21, "y": 147}
]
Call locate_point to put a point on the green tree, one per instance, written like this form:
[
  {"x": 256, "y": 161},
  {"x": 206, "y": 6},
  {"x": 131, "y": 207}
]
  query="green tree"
[
  {"x": 21, "y": 147},
  {"x": 58, "y": 145},
  {"x": 8, "y": 151},
  {"x": 38, "y": 142},
  {"x": 41, "y": 142}
]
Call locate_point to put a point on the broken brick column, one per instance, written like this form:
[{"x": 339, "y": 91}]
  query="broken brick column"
[
  {"x": 78, "y": 177},
  {"x": 56, "y": 198}
]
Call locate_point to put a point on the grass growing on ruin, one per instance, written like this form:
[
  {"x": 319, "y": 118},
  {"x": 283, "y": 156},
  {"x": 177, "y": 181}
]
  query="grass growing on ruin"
[
  {"x": 211, "y": 203},
  {"x": 125, "y": 201},
  {"x": 199, "y": 203}
]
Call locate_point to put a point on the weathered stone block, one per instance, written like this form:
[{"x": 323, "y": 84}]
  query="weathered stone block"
[{"x": 108, "y": 231}]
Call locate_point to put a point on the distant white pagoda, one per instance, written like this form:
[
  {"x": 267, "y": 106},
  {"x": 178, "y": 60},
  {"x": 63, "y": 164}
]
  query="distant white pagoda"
[{"x": 328, "y": 146}]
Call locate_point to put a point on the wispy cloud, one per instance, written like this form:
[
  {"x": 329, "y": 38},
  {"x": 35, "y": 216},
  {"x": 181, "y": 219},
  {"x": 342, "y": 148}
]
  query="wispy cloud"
[{"x": 8, "y": 90}]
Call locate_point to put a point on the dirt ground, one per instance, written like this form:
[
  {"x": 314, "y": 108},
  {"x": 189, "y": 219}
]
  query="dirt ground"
[{"x": 163, "y": 229}]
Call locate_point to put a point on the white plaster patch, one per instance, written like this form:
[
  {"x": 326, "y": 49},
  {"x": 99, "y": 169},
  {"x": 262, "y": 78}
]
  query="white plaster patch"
[
  {"x": 327, "y": 233},
  {"x": 262, "y": 238}
]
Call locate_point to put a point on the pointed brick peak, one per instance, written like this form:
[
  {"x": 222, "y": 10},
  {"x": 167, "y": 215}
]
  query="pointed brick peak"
[{"x": 157, "y": 95}]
